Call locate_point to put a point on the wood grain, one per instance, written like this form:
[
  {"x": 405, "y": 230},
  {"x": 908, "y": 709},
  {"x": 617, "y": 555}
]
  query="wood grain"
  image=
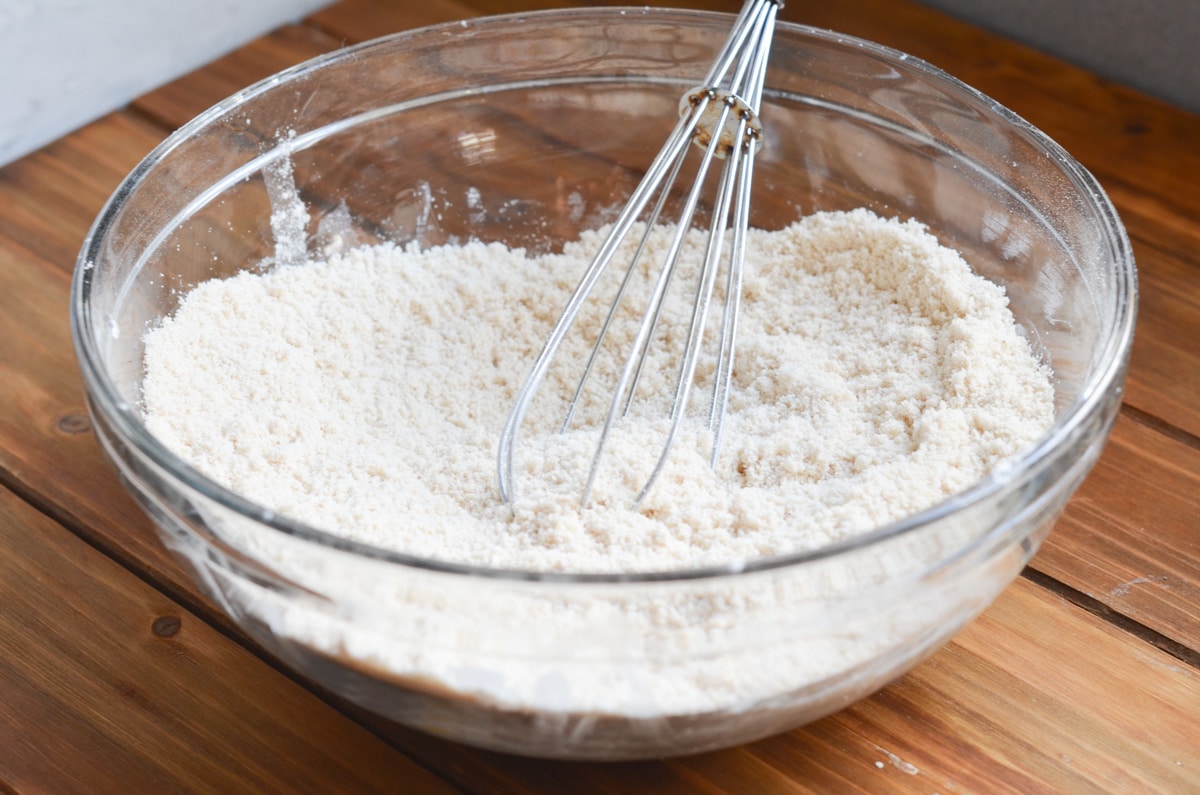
[
  {"x": 1077, "y": 671},
  {"x": 47, "y": 451},
  {"x": 50, "y": 198},
  {"x": 1164, "y": 372},
  {"x": 1129, "y": 537},
  {"x": 108, "y": 686},
  {"x": 358, "y": 20}
]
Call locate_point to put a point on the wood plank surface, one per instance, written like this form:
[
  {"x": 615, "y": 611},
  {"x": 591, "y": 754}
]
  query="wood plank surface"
[
  {"x": 1031, "y": 648},
  {"x": 108, "y": 686},
  {"x": 1081, "y": 678},
  {"x": 50, "y": 198},
  {"x": 1130, "y": 537},
  {"x": 48, "y": 453},
  {"x": 358, "y": 20}
]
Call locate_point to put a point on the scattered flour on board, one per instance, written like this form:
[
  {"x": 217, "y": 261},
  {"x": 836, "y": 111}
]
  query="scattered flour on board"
[
  {"x": 365, "y": 394},
  {"x": 876, "y": 376}
]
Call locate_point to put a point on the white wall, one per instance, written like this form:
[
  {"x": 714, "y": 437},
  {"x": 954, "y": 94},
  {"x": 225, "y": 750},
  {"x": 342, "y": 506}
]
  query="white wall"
[
  {"x": 66, "y": 62},
  {"x": 1151, "y": 45}
]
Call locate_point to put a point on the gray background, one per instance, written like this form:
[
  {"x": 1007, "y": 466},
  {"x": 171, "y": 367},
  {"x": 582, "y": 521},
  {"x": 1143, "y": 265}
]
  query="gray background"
[{"x": 1151, "y": 45}]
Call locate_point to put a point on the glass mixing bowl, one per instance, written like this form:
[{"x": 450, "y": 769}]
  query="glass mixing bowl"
[{"x": 527, "y": 129}]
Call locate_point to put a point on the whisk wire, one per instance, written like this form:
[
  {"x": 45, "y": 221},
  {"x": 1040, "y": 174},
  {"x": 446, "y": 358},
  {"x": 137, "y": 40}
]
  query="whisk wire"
[
  {"x": 703, "y": 298},
  {"x": 721, "y": 118},
  {"x": 749, "y": 21},
  {"x": 651, "y": 220},
  {"x": 723, "y": 374},
  {"x": 653, "y": 179},
  {"x": 641, "y": 344}
]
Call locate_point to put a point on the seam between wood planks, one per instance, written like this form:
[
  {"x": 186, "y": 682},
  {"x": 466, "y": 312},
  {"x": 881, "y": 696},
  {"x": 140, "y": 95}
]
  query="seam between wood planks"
[
  {"x": 1160, "y": 426},
  {"x": 1114, "y": 618}
]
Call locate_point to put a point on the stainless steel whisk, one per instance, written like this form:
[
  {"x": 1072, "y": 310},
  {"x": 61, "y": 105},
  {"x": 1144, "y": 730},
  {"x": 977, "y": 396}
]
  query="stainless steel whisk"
[{"x": 721, "y": 118}]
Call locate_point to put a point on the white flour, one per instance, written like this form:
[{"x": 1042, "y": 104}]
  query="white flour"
[
  {"x": 877, "y": 375},
  {"x": 365, "y": 395}
]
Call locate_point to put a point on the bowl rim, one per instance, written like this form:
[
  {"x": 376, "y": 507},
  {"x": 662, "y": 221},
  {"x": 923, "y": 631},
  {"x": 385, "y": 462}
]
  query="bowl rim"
[{"x": 107, "y": 401}]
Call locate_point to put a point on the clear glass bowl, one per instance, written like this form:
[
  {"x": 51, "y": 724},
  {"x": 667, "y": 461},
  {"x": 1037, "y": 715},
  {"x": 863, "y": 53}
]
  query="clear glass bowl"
[{"x": 490, "y": 129}]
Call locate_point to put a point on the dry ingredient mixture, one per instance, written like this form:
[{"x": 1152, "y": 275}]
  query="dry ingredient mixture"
[
  {"x": 365, "y": 394},
  {"x": 876, "y": 376}
]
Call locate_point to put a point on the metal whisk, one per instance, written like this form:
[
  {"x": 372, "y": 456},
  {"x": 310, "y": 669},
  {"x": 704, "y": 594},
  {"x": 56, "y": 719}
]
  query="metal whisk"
[{"x": 721, "y": 118}]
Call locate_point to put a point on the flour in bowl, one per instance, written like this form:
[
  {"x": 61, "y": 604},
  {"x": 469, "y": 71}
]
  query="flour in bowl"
[{"x": 364, "y": 395}]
